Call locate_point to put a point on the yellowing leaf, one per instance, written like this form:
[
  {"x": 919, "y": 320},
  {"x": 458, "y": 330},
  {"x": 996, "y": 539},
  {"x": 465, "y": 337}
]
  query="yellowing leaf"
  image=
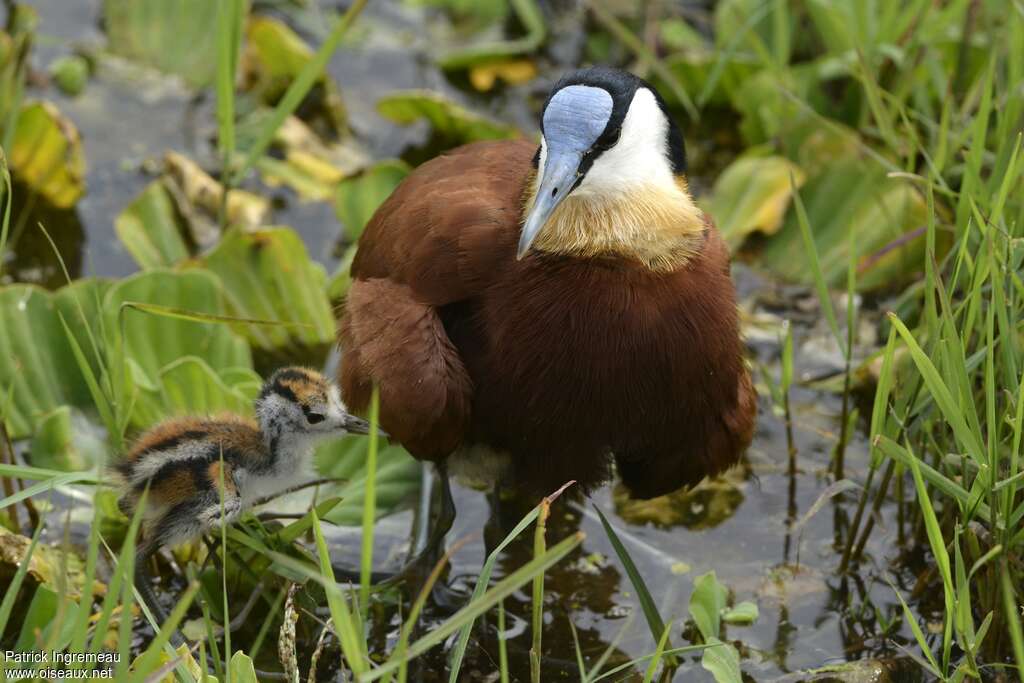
[
  {"x": 752, "y": 195},
  {"x": 46, "y": 154},
  {"x": 512, "y": 71}
]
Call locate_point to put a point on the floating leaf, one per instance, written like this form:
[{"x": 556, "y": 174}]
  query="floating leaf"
[
  {"x": 268, "y": 275},
  {"x": 308, "y": 165},
  {"x": 745, "y": 612},
  {"x": 70, "y": 73},
  {"x": 46, "y": 154},
  {"x": 173, "y": 36},
  {"x": 199, "y": 198},
  {"x": 450, "y": 121},
  {"x": 752, "y": 195},
  {"x": 274, "y": 56},
  {"x": 359, "y": 197},
  {"x": 151, "y": 229},
  {"x": 397, "y": 478}
]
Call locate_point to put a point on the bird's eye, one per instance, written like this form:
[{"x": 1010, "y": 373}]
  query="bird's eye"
[{"x": 314, "y": 418}]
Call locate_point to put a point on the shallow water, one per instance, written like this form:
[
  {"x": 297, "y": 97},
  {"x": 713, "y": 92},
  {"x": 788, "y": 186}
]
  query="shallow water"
[{"x": 737, "y": 527}]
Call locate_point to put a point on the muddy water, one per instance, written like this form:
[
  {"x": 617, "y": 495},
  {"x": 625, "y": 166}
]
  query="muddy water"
[{"x": 738, "y": 527}]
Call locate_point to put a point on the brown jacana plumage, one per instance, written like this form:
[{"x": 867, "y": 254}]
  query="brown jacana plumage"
[{"x": 546, "y": 311}]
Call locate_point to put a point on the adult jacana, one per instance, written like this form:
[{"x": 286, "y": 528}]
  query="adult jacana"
[{"x": 534, "y": 314}]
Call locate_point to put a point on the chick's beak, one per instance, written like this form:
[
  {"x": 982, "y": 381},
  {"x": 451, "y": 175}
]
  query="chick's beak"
[
  {"x": 561, "y": 171},
  {"x": 357, "y": 425}
]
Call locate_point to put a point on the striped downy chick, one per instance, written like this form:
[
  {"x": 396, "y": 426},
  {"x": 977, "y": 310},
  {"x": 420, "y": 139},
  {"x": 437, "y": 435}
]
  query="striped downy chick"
[{"x": 184, "y": 460}]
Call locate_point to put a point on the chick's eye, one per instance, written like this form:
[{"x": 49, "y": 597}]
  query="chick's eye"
[{"x": 314, "y": 418}]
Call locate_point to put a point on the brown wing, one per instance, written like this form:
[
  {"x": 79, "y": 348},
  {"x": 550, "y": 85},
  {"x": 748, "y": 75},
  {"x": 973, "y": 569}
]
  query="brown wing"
[{"x": 437, "y": 240}]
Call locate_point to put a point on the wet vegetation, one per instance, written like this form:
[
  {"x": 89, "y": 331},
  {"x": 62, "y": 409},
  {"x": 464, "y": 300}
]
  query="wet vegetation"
[{"x": 181, "y": 186}]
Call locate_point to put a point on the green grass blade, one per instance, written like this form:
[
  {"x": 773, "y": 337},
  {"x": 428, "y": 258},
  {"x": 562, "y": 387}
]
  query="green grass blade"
[
  {"x": 482, "y": 582},
  {"x": 503, "y": 589},
  {"x": 654, "y": 621},
  {"x": 299, "y": 88},
  {"x": 812, "y": 258}
]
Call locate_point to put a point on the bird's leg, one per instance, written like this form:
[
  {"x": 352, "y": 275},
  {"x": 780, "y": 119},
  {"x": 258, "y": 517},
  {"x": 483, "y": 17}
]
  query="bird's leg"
[
  {"x": 429, "y": 541},
  {"x": 144, "y": 582}
]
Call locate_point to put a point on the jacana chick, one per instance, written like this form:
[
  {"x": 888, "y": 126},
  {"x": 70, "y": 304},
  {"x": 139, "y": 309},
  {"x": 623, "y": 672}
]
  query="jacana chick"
[{"x": 183, "y": 462}]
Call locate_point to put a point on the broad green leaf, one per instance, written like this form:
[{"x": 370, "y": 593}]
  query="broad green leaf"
[
  {"x": 46, "y": 154},
  {"x": 70, "y": 73},
  {"x": 397, "y": 479},
  {"x": 451, "y": 122},
  {"x": 152, "y": 341},
  {"x": 173, "y": 36},
  {"x": 274, "y": 56},
  {"x": 752, "y": 195},
  {"x": 744, "y": 613},
  {"x": 66, "y": 441},
  {"x": 151, "y": 229},
  {"x": 886, "y": 214},
  {"x": 37, "y": 366},
  {"x": 706, "y": 604},
  {"x": 268, "y": 275},
  {"x": 41, "y": 619},
  {"x": 359, "y": 196},
  {"x": 723, "y": 661},
  {"x": 190, "y": 386},
  {"x": 241, "y": 668}
]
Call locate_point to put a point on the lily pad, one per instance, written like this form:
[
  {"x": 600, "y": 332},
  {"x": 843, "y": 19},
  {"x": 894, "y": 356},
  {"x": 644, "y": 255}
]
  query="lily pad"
[
  {"x": 304, "y": 161},
  {"x": 359, "y": 197},
  {"x": 450, "y": 121},
  {"x": 151, "y": 229},
  {"x": 273, "y": 57},
  {"x": 268, "y": 275},
  {"x": 752, "y": 195},
  {"x": 199, "y": 199},
  {"x": 397, "y": 478},
  {"x": 174, "y": 36},
  {"x": 70, "y": 73},
  {"x": 46, "y": 154}
]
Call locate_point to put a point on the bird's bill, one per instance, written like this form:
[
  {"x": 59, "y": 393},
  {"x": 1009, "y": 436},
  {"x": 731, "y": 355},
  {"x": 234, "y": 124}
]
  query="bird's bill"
[
  {"x": 561, "y": 171},
  {"x": 357, "y": 425}
]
